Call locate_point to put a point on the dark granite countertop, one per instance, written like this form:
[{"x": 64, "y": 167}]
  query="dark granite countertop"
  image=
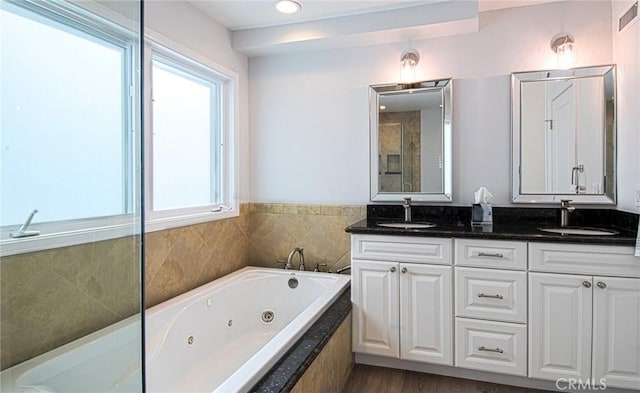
[
  {"x": 285, "y": 374},
  {"x": 508, "y": 224}
]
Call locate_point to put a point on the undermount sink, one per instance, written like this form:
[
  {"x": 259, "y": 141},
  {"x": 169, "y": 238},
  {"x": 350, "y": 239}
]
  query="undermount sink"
[
  {"x": 407, "y": 225},
  {"x": 580, "y": 231}
]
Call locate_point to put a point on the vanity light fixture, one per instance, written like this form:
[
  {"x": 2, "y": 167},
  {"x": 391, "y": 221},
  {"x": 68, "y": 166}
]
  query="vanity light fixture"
[
  {"x": 563, "y": 45},
  {"x": 408, "y": 62},
  {"x": 288, "y": 6}
]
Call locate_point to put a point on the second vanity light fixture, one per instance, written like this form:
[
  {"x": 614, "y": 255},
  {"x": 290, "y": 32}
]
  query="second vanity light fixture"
[
  {"x": 563, "y": 45},
  {"x": 288, "y": 6},
  {"x": 408, "y": 63}
]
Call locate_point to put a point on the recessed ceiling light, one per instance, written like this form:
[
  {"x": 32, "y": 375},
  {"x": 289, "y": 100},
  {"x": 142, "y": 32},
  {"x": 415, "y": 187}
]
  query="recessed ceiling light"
[{"x": 288, "y": 6}]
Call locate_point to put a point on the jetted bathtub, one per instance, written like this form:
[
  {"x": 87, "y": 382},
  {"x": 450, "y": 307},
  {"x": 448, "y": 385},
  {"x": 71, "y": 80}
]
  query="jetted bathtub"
[{"x": 221, "y": 337}]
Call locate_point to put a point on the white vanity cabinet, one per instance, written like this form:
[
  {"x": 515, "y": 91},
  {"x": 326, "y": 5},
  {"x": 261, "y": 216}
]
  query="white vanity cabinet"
[
  {"x": 401, "y": 291},
  {"x": 545, "y": 311},
  {"x": 584, "y": 326},
  {"x": 490, "y": 305}
]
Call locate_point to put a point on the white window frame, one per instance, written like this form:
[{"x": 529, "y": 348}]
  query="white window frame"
[
  {"x": 103, "y": 24},
  {"x": 158, "y": 220}
]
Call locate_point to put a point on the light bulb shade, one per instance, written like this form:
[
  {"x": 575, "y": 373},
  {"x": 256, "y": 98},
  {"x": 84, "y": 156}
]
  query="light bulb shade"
[
  {"x": 408, "y": 62},
  {"x": 564, "y": 45},
  {"x": 410, "y": 58}
]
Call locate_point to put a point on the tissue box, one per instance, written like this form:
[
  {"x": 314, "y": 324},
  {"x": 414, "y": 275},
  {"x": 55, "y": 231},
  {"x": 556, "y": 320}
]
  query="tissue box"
[{"x": 481, "y": 214}]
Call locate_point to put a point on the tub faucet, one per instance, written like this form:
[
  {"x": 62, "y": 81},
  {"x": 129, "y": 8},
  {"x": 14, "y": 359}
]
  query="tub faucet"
[
  {"x": 299, "y": 251},
  {"x": 407, "y": 209},
  {"x": 565, "y": 209}
]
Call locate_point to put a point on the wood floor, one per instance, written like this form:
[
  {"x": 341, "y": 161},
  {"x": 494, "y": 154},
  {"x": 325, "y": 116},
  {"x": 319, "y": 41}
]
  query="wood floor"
[{"x": 365, "y": 379}]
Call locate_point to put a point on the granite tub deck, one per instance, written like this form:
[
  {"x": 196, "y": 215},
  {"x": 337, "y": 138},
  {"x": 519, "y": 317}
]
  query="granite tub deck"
[{"x": 508, "y": 224}]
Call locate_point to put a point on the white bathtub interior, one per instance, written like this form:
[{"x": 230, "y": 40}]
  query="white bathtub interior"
[
  {"x": 223, "y": 336},
  {"x": 105, "y": 361},
  {"x": 231, "y": 346}
]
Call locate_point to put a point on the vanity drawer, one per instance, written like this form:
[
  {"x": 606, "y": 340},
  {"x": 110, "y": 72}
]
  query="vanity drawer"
[
  {"x": 584, "y": 259},
  {"x": 491, "y": 254},
  {"x": 491, "y": 294},
  {"x": 402, "y": 249},
  {"x": 491, "y": 346}
]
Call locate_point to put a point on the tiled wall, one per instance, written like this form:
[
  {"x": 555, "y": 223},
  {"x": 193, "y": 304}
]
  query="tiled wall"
[
  {"x": 318, "y": 229},
  {"x": 49, "y": 298},
  {"x": 329, "y": 372},
  {"x": 180, "y": 259}
]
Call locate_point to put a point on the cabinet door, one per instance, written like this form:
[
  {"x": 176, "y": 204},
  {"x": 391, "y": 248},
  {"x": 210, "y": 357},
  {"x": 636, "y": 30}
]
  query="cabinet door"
[
  {"x": 616, "y": 331},
  {"x": 374, "y": 293},
  {"x": 426, "y": 315},
  {"x": 560, "y": 326}
]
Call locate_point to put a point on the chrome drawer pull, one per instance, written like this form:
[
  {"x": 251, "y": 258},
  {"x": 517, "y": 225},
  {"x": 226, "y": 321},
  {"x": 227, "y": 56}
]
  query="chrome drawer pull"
[
  {"x": 491, "y": 296},
  {"x": 487, "y": 254},
  {"x": 497, "y": 350}
]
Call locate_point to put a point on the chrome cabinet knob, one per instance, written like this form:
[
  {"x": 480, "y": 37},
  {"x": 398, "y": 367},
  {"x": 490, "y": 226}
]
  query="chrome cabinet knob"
[
  {"x": 586, "y": 284},
  {"x": 601, "y": 285},
  {"x": 393, "y": 269},
  {"x": 404, "y": 270}
]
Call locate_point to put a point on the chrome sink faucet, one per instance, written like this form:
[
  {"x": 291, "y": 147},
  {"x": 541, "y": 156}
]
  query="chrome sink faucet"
[
  {"x": 293, "y": 252},
  {"x": 407, "y": 209},
  {"x": 565, "y": 209}
]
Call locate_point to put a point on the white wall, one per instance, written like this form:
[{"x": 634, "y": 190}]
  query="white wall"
[
  {"x": 181, "y": 22},
  {"x": 626, "y": 54},
  {"x": 309, "y": 112}
]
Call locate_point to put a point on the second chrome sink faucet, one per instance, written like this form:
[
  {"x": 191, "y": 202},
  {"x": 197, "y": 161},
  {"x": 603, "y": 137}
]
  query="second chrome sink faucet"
[
  {"x": 407, "y": 209},
  {"x": 565, "y": 209}
]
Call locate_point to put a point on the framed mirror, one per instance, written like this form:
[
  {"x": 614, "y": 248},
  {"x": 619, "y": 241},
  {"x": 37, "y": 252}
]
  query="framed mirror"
[
  {"x": 564, "y": 135},
  {"x": 410, "y": 135}
]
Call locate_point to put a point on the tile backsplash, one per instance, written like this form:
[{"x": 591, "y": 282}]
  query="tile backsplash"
[
  {"x": 318, "y": 229},
  {"x": 52, "y": 297}
]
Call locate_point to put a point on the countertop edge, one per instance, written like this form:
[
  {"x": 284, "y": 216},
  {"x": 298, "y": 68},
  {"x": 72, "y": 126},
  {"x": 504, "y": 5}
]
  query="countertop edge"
[{"x": 368, "y": 226}]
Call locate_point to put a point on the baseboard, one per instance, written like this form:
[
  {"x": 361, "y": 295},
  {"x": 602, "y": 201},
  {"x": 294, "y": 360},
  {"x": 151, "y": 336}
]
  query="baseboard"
[{"x": 483, "y": 376}]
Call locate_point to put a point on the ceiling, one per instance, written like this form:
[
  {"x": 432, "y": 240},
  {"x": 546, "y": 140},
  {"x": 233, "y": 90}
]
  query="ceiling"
[
  {"x": 251, "y": 14},
  {"x": 257, "y": 29}
]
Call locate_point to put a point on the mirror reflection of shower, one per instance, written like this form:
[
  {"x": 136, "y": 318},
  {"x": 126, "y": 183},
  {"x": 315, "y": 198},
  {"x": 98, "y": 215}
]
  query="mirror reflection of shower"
[
  {"x": 410, "y": 141},
  {"x": 399, "y": 163}
]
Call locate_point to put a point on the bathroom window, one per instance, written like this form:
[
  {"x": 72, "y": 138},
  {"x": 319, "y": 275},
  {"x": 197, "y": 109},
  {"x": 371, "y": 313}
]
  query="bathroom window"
[
  {"x": 67, "y": 118},
  {"x": 189, "y": 140}
]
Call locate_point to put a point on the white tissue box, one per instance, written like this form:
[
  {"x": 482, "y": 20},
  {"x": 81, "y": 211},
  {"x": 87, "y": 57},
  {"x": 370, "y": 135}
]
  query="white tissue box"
[{"x": 481, "y": 214}]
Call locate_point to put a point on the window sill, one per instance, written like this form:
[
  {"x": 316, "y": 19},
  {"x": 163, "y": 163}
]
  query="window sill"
[
  {"x": 160, "y": 224},
  {"x": 64, "y": 239},
  {"x": 49, "y": 241}
]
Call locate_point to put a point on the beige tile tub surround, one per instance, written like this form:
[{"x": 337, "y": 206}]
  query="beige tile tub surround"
[
  {"x": 319, "y": 229},
  {"x": 49, "y": 298},
  {"x": 52, "y": 297},
  {"x": 178, "y": 260},
  {"x": 329, "y": 372}
]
